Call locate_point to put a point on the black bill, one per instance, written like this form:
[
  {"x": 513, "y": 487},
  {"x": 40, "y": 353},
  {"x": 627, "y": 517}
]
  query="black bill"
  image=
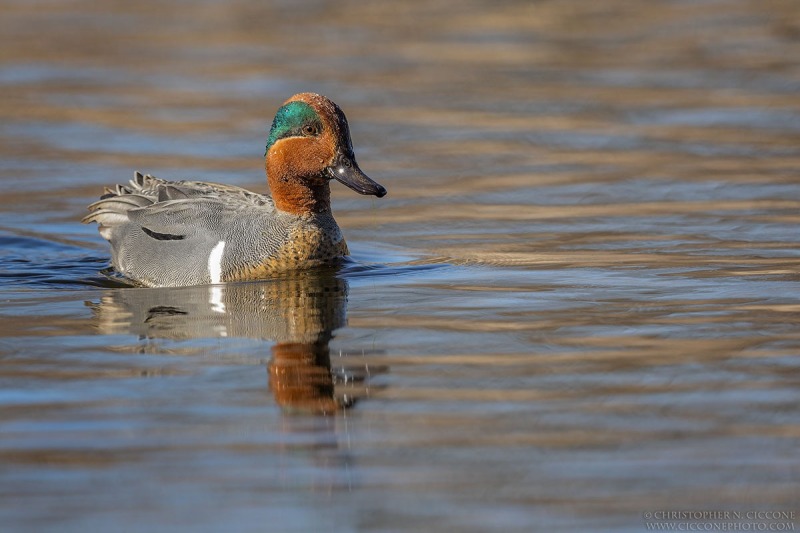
[{"x": 345, "y": 169}]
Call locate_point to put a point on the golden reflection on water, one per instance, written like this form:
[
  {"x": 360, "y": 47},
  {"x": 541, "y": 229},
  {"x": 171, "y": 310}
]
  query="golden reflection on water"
[{"x": 298, "y": 313}]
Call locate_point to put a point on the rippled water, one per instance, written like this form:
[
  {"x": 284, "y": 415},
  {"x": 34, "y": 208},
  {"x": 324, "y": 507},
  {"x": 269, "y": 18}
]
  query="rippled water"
[{"x": 578, "y": 304}]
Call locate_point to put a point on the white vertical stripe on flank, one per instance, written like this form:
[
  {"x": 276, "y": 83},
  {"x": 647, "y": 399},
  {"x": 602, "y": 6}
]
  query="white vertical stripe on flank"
[{"x": 215, "y": 262}]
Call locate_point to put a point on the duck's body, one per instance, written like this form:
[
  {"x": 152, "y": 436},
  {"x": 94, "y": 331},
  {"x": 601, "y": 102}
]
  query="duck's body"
[
  {"x": 166, "y": 233},
  {"x": 190, "y": 233}
]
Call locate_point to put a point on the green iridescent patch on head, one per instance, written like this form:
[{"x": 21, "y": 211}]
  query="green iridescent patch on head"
[{"x": 289, "y": 122}]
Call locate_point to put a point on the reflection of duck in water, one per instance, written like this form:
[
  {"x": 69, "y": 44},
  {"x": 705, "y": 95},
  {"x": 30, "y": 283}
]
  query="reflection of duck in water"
[
  {"x": 169, "y": 234},
  {"x": 298, "y": 312}
]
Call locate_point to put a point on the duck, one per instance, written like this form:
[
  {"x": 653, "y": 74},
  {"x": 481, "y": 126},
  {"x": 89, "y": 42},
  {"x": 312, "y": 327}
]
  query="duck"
[{"x": 176, "y": 233}]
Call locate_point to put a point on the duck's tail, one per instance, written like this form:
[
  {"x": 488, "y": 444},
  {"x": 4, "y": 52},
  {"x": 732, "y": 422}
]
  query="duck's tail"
[{"x": 112, "y": 208}]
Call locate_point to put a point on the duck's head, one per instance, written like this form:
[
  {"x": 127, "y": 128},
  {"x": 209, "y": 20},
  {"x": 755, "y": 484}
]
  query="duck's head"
[{"x": 309, "y": 145}]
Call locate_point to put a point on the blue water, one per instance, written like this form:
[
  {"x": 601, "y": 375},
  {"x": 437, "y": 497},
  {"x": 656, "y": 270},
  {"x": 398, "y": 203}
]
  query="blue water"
[{"x": 576, "y": 307}]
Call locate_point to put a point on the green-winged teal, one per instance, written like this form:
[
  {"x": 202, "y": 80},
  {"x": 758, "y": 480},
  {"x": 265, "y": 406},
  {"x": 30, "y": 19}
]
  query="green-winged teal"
[{"x": 172, "y": 233}]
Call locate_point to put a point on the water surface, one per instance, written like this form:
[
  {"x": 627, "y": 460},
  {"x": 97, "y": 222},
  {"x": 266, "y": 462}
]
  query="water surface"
[{"x": 578, "y": 304}]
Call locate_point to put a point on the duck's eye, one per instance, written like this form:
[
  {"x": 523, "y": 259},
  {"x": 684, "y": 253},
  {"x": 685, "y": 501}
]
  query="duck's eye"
[{"x": 310, "y": 129}]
